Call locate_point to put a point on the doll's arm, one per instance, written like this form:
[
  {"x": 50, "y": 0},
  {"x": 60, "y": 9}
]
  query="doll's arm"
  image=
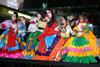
[
  {"x": 32, "y": 28},
  {"x": 6, "y": 24},
  {"x": 22, "y": 31}
]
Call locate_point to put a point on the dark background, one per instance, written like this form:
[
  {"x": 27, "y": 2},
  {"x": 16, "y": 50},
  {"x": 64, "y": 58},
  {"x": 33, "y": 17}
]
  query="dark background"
[{"x": 58, "y": 3}]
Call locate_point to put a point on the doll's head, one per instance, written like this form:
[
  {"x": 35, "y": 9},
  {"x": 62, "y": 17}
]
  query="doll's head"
[
  {"x": 39, "y": 16},
  {"x": 68, "y": 22},
  {"x": 34, "y": 19},
  {"x": 63, "y": 20},
  {"x": 81, "y": 19},
  {"x": 49, "y": 14},
  {"x": 14, "y": 16},
  {"x": 23, "y": 20}
]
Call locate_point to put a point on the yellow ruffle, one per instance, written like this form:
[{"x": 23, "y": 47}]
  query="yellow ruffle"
[
  {"x": 69, "y": 43},
  {"x": 80, "y": 47},
  {"x": 81, "y": 54},
  {"x": 91, "y": 38},
  {"x": 25, "y": 52}
]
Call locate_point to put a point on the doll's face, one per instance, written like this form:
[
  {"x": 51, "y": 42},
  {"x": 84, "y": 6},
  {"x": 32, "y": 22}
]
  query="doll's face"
[
  {"x": 68, "y": 23},
  {"x": 23, "y": 20},
  {"x": 81, "y": 19},
  {"x": 13, "y": 17},
  {"x": 49, "y": 14},
  {"x": 63, "y": 21},
  {"x": 39, "y": 16}
]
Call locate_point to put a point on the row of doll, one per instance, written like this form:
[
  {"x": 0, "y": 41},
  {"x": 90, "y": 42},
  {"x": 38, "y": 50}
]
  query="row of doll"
[{"x": 48, "y": 41}]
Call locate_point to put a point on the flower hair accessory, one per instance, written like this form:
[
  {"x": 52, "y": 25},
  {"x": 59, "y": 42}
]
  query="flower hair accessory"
[{"x": 77, "y": 21}]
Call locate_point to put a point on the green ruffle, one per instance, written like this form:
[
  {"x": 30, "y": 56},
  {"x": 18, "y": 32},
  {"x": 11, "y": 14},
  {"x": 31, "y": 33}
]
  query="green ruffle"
[
  {"x": 63, "y": 56},
  {"x": 86, "y": 59},
  {"x": 79, "y": 41}
]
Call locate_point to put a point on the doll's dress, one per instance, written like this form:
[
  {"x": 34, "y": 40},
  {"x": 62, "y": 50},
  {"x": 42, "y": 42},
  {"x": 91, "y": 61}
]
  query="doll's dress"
[
  {"x": 9, "y": 46},
  {"x": 50, "y": 44},
  {"x": 81, "y": 48},
  {"x": 31, "y": 45},
  {"x": 20, "y": 37}
]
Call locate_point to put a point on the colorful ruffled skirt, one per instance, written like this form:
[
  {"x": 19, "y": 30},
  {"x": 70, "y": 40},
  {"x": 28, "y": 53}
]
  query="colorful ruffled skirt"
[
  {"x": 53, "y": 48},
  {"x": 9, "y": 52},
  {"x": 78, "y": 50},
  {"x": 31, "y": 45},
  {"x": 21, "y": 42}
]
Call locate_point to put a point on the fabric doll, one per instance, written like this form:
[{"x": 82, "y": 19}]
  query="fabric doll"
[
  {"x": 31, "y": 41},
  {"x": 81, "y": 48},
  {"x": 21, "y": 32},
  {"x": 50, "y": 42},
  {"x": 9, "y": 46}
]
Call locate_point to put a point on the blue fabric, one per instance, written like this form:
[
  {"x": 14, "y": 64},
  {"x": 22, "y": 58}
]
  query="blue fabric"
[
  {"x": 99, "y": 56},
  {"x": 98, "y": 42},
  {"x": 49, "y": 40},
  {"x": 20, "y": 25},
  {"x": 33, "y": 46},
  {"x": 2, "y": 42},
  {"x": 26, "y": 47},
  {"x": 28, "y": 57},
  {"x": 22, "y": 39}
]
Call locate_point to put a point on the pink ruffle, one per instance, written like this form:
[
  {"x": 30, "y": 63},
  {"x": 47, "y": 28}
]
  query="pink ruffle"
[
  {"x": 17, "y": 55},
  {"x": 75, "y": 50}
]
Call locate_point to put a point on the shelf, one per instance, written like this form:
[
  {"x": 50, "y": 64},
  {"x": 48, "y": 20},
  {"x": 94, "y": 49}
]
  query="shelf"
[{"x": 53, "y": 63}]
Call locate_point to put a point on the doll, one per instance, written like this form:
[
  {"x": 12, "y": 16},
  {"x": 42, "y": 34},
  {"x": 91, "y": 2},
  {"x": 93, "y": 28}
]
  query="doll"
[
  {"x": 50, "y": 42},
  {"x": 9, "y": 47},
  {"x": 31, "y": 41},
  {"x": 68, "y": 29},
  {"x": 63, "y": 28},
  {"x": 21, "y": 32},
  {"x": 81, "y": 48}
]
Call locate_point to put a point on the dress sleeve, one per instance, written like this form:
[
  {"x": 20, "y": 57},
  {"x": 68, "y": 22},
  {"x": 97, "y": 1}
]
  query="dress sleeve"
[
  {"x": 5, "y": 24},
  {"x": 75, "y": 28}
]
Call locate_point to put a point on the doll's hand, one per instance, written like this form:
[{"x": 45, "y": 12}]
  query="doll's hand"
[
  {"x": 36, "y": 29},
  {"x": 73, "y": 33},
  {"x": 21, "y": 31},
  {"x": 14, "y": 26},
  {"x": 29, "y": 28}
]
